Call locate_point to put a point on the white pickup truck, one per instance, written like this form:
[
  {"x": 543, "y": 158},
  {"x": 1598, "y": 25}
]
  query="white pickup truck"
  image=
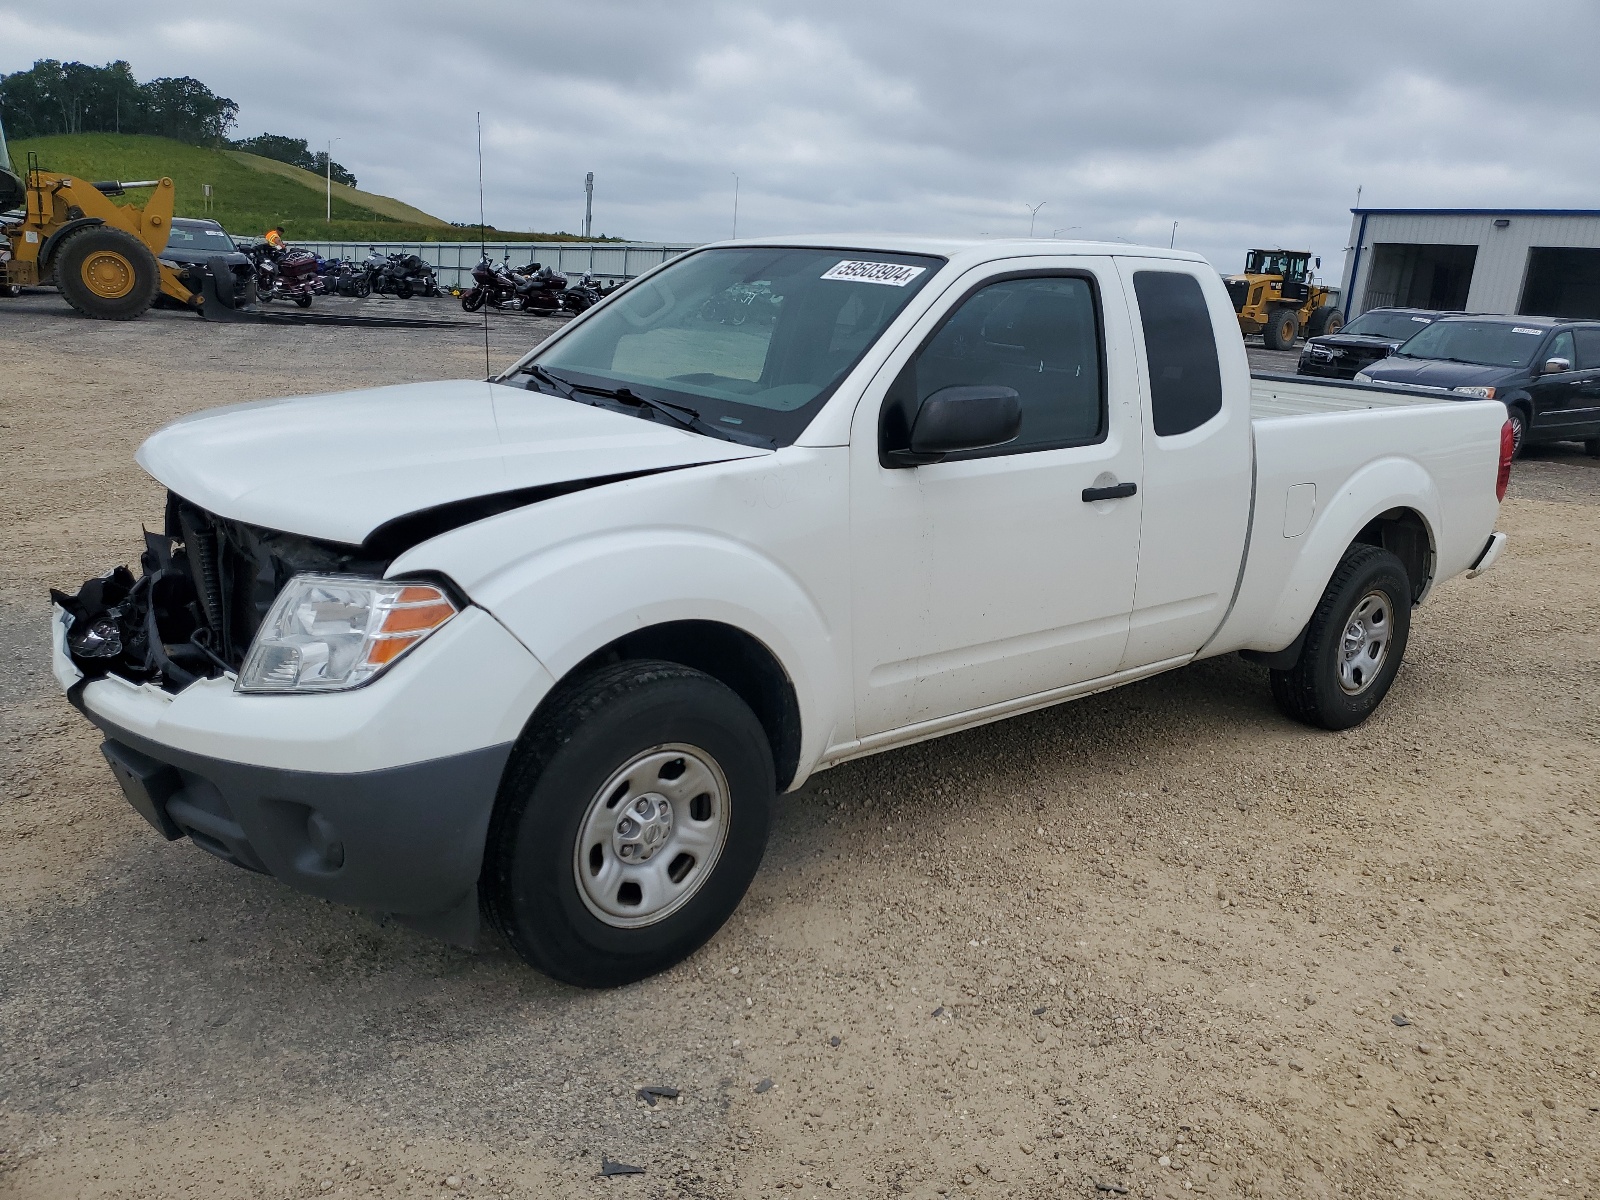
[{"x": 546, "y": 647}]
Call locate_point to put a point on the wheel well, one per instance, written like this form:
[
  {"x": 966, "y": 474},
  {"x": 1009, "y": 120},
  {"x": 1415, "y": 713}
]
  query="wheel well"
[
  {"x": 1403, "y": 533},
  {"x": 734, "y": 658}
]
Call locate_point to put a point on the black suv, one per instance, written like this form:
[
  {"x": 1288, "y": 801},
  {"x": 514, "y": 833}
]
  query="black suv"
[
  {"x": 1375, "y": 334},
  {"x": 192, "y": 243},
  {"x": 1546, "y": 369}
]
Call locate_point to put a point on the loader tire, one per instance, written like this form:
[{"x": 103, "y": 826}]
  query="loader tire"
[
  {"x": 106, "y": 274},
  {"x": 1326, "y": 319},
  {"x": 1283, "y": 326}
]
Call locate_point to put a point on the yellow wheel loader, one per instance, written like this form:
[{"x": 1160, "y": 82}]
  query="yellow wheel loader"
[
  {"x": 102, "y": 257},
  {"x": 1278, "y": 297}
]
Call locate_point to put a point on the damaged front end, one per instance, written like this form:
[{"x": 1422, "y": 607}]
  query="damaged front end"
[{"x": 206, "y": 585}]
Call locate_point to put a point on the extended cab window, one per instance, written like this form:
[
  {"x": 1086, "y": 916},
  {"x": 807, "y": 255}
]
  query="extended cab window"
[
  {"x": 1180, "y": 347},
  {"x": 1039, "y": 335}
]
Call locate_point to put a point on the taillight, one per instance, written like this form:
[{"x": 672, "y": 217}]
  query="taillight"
[{"x": 1508, "y": 447}]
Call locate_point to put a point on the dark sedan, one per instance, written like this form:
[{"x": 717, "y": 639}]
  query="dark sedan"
[
  {"x": 193, "y": 243},
  {"x": 1545, "y": 369},
  {"x": 1372, "y": 336}
]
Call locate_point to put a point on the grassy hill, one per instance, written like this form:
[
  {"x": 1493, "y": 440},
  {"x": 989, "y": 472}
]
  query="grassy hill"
[{"x": 250, "y": 194}]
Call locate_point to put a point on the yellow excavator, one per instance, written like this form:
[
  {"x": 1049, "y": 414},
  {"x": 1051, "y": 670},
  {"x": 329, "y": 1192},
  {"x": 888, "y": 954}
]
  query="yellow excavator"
[{"x": 102, "y": 257}]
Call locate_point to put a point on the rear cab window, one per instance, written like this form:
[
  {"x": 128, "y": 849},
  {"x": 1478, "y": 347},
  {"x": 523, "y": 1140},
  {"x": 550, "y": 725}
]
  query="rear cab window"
[{"x": 1180, "y": 346}]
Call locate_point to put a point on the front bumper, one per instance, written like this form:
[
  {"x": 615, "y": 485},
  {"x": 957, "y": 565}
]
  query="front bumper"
[{"x": 378, "y": 798}]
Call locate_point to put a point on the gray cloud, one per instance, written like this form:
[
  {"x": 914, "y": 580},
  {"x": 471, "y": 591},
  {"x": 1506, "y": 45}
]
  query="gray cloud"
[{"x": 1249, "y": 123}]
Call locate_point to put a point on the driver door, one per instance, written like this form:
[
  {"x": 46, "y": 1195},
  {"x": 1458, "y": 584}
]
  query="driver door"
[{"x": 988, "y": 577}]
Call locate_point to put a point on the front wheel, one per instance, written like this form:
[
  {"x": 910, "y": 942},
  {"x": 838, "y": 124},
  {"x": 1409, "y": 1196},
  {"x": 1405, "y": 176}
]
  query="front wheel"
[
  {"x": 1283, "y": 326},
  {"x": 403, "y": 289},
  {"x": 472, "y": 300},
  {"x": 303, "y": 299},
  {"x": 10, "y": 290},
  {"x": 631, "y": 821},
  {"x": 1353, "y": 644},
  {"x": 1518, "y": 420}
]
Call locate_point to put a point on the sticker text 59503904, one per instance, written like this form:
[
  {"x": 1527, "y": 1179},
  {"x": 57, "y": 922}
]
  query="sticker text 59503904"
[{"x": 893, "y": 274}]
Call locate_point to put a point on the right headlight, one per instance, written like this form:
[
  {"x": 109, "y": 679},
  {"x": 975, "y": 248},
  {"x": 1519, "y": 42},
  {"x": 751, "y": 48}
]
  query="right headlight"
[{"x": 330, "y": 633}]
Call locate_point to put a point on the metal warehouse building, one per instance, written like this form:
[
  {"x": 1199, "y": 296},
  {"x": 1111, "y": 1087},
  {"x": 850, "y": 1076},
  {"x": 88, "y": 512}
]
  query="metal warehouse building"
[{"x": 1543, "y": 262}]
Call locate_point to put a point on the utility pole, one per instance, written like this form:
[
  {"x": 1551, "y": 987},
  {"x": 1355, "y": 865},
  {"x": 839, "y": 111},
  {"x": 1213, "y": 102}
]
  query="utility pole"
[
  {"x": 735, "y": 203},
  {"x": 588, "y": 205},
  {"x": 1033, "y": 214},
  {"x": 329, "y": 166}
]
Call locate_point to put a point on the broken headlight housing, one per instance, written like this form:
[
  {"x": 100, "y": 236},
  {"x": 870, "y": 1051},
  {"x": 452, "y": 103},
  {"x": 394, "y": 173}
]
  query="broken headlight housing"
[{"x": 330, "y": 633}]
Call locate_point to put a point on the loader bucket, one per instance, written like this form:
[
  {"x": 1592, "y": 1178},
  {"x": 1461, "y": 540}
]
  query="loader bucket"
[{"x": 218, "y": 303}]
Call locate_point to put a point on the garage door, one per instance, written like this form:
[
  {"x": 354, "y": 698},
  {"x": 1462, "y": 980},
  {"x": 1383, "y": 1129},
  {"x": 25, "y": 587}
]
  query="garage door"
[{"x": 1562, "y": 281}]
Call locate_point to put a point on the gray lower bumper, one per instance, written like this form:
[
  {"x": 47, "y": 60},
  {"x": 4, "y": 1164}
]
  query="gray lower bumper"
[{"x": 407, "y": 840}]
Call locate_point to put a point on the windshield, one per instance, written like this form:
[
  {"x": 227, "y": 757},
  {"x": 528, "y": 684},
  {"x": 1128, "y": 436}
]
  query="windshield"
[
  {"x": 206, "y": 239},
  {"x": 1276, "y": 262},
  {"x": 753, "y": 340},
  {"x": 1487, "y": 343},
  {"x": 1395, "y": 326}
]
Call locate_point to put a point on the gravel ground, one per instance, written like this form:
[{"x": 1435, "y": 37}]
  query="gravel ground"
[{"x": 1160, "y": 939}]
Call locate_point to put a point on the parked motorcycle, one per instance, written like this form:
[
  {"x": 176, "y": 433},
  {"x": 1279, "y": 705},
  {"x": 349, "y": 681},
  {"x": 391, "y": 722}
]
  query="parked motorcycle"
[
  {"x": 402, "y": 275},
  {"x": 286, "y": 274},
  {"x": 545, "y": 289},
  {"x": 498, "y": 287},
  {"x": 345, "y": 278},
  {"x": 585, "y": 294}
]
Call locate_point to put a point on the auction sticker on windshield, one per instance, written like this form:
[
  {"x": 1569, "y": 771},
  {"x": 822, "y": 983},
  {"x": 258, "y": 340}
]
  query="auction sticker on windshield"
[
  {"x": 1522, "y": 329},
  {"x": 893, "y": 274}
]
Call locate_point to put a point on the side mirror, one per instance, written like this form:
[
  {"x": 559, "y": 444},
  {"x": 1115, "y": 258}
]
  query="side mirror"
[
  {"x": 1557, "y": 366},
  {"x": 961, "y": 418}
]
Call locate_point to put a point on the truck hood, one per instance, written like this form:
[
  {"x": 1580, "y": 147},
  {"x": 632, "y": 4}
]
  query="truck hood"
[
  {"x": 342, "y": 465},
  {"x": 1436, "y": 373}
]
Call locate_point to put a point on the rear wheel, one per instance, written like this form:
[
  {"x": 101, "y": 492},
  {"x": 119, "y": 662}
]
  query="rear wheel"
[
  {"x": 631, "y": 820},
  {"x": 1353, "y": 644},
  {"x": 107, "y": 274},
  {"x": 1326, "y": 319},
  {"x": 1283, "y": 326},
  {"x": 303, "y": 299},
  {"x": 403, "y": 289}
]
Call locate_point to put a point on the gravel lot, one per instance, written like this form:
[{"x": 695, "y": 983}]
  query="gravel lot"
[{"x": 1160, "y": 939}]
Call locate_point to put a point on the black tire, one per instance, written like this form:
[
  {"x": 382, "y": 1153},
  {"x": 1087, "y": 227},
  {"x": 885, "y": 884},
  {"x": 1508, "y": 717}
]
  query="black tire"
[
  {"x": 1283, "y": 326},
  {"x": 363, "y": 289},
  {"x": 102, "y": 247},
  {"x": 1326, "y": 319},
  {"x": 591, "y": 729},
  {"x": 403, "y": 289},
  {"x": 303, "y": 299},
  {"x": 1592, "y": 447},
  {"x": 472, "y": 300},
  {"x": 1519, "y": 430},
  {"x": 10, "y": 290},
  {"x": 1315, "y": 690}
]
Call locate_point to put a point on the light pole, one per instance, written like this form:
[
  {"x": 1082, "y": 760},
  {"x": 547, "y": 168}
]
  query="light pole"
[
  {"x": 735, "y": 175},
  {"x": 1033, "y": 214},
  {"x": 1173, "y": 241},
  {"x": 329, "y": 166},
  {"x": 1064, "y": 229}
]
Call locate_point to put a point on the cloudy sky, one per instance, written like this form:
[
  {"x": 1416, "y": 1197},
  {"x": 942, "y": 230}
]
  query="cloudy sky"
[{"x": 1249, "y": 124}]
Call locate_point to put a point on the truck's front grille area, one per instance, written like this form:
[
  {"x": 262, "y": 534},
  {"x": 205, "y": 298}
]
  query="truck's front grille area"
[{"x": 206, "y": 585}]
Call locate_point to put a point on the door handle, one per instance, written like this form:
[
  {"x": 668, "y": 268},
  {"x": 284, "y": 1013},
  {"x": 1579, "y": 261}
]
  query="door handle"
[{"x": 1117, "y": 491}]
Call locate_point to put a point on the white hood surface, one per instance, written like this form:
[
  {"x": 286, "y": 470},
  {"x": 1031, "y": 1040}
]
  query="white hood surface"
[{"x": 340, "y": 465}]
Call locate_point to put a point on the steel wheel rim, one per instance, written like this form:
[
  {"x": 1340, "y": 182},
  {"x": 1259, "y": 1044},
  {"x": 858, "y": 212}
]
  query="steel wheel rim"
[
  {"x": 1364, "y": 649},
  {"x": 107, "y": 274},
  {"x": 651, "y": 836}
]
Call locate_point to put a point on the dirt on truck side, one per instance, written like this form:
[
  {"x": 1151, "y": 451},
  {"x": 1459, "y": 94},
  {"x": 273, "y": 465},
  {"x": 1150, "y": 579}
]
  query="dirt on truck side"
[{"x": 1161, "y": 940}]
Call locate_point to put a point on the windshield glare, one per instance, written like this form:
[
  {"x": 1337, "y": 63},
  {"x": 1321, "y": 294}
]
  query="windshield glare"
[
  {"x": 1487, "y": 343},
  {"x": 1397, "y": 327},
  {"x": 754, "y": 339},
  {"x": 206, "y": 238}
]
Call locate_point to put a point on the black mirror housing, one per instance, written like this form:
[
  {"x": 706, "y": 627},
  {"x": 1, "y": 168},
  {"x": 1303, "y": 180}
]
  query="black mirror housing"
[{"x": 959, "y": 418}]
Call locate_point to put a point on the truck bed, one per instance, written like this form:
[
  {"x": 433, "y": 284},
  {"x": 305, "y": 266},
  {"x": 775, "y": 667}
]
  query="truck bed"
[{"x": 1298, "y": 396}]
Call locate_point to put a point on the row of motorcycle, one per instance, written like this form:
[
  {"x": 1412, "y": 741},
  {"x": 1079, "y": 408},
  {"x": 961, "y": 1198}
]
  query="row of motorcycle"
[
  {"x": 532, "y": 288},
  {"x": 296, "y": 275}
]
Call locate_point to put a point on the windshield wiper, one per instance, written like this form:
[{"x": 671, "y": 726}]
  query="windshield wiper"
[{"x": 685, "y": 416}]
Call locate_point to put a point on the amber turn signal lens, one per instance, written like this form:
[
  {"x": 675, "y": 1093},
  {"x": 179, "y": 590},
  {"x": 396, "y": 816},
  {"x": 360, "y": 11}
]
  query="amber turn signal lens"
[{"x": 413, "y": 614}]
